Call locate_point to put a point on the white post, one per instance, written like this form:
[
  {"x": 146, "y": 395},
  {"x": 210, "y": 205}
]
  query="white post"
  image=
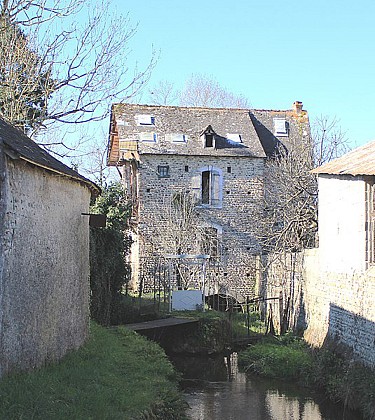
[
  {"x": 169, "y": 287},
  {"x": 204, "y": 285}
]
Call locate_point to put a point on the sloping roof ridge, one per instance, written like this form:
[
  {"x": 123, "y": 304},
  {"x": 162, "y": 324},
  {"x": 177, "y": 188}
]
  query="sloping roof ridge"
[
  {"x": 201, "y": 107},
  {"x": 272, "y": 110},
  {"x": 29, "y": 151},
  {"x": 180, "y": 107},
  {"x": 359, "y": 161}
]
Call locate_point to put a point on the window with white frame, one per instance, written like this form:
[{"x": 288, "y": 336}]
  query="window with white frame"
[
  {"x": 234, "y": 137},
  {"x": 176, "y": 137},
  {"x": 207, "y": 187},
  {"x": 148, "y": 137},
  {"x": 145, "y": 119},
  {"x": 281, "y": 127}
]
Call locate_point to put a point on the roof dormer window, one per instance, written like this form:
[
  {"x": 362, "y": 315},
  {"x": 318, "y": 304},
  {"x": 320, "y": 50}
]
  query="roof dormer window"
[
  {"x": 280, "y": 127},
  {"x": 145, "y": 119},
  {"x": 208, "y": 140},
  {"x": 208, "y": 136}
]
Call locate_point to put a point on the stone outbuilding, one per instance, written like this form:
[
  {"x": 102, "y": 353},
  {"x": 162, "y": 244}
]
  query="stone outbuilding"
[
  {"x": 44, "y": 258},
  {"x": 214, "y": 156},
  {"x": 340, "y": 275}
]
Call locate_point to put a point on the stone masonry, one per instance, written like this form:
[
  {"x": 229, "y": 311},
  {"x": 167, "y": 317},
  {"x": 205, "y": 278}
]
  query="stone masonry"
[{"x": 217, "y": 156}]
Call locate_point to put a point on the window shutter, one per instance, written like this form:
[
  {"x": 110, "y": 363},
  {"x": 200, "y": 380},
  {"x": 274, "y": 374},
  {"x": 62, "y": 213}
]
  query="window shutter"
[
  {"x": 215, "y": 192},
  {"x": 280, "y": 127},
  {"x": 196, "y": 186}
]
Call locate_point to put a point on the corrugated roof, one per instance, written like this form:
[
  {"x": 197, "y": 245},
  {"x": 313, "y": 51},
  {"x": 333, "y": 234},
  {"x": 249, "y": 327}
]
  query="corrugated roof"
[
  {"x": 360, "y": 161},
  {"x": 26, "y": 149}
]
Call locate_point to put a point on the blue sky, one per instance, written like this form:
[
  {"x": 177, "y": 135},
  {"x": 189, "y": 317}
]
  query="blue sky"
[{"x": 272, "y": 52}]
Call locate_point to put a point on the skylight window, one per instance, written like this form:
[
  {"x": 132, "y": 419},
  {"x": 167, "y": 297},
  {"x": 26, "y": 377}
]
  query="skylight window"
[
  {"x": 280, "y": 127},
  {"x": 145, "y": 119},
  {"x": 176, "y": 137},
  {"x": 234, "y": 137},
  {"x": 148, "y": 137}
]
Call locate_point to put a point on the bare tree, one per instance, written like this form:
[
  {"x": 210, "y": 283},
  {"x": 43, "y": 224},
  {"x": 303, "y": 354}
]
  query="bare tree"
[
  {"x": 202, "y": 90},
  {"x": 290, "y": 215},
  {"x": 176, "y": 229},
  {"x": 55, "y": 69},
  {"x": 290, "y": 218},
  {"x": 164, "y": 93},
  {"x": 199, "y": 90},
  {"x": 330, "y": 141}
]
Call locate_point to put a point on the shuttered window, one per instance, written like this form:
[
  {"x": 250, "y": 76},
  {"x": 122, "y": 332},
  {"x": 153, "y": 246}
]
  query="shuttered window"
[
  {"x": 207, "y": 187},
  {"x": 280, "y": 127}
]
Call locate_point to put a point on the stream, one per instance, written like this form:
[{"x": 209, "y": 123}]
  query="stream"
[{"x": 216, "y": 390}]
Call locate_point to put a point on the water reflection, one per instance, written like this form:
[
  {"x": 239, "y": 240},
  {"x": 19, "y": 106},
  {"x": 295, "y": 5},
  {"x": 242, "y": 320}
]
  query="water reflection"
[{"x": 216, "y": 390}]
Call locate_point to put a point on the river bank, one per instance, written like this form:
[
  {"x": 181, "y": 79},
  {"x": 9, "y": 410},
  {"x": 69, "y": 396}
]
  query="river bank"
[
  {"x": 117, "y": 374},
  {"x": 330, "y": 370}
]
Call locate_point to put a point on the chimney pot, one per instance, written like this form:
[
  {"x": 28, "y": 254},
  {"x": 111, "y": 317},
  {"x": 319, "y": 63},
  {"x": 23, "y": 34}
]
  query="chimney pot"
[{"x": 297, "y": 107}]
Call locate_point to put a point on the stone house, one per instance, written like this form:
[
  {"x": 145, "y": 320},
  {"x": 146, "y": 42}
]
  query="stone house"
[
  {"x": 217, "y": 156},
  {"x": 44, "y": 258}
]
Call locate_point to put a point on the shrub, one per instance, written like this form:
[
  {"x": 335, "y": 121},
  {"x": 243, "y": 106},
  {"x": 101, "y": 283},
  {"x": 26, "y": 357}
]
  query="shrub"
[{"x": 109, "y": 246}]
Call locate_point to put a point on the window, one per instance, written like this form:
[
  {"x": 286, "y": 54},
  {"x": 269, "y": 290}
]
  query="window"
[
  {"x": 370, "y": 222},
  {"x": 234, "y": 138},
  {"x": 210, "y": 242},
  {"x": 144, "y": 119},
  {"x": 280, "y": 127},
  {"x": 207, "y": 185},
  {"x": 229, "y": 169},
  {"x": 209, "y": 140},
  {"x": 163, "y": 171},
  {"x": 208, "y": 136},
  {"x": 186, "y": 168},
  {"x": 148, "y": 137},
  {"x": 176, "y": 137}
]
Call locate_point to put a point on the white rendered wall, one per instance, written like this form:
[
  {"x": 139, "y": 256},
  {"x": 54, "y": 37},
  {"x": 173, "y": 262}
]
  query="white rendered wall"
[{"x": 342, "y": 234}]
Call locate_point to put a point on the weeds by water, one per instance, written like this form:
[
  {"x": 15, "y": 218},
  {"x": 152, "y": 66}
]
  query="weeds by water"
[
  {"x": 115, "y": 375},
  {"x": 327, "y": 369}
]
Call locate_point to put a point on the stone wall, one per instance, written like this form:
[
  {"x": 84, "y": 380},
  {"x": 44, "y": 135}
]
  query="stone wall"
[
  {"x": 330, "y": 305},
  {"x": 235, "y": 219},
  {"x": 341, "y": 306},
  {"x": 44, "y": 283}
]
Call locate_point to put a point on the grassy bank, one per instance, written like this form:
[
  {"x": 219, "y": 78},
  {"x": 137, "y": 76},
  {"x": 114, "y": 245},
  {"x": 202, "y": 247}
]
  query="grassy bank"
[
  {"x": 115, "y": 375},
  {"x": 326, "y": 369}
]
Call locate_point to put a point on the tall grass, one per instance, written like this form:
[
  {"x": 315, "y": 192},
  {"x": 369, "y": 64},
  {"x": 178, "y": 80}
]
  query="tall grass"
[
  {"x": 115, "y": 375},
  {"x": 327, "y": 369}
]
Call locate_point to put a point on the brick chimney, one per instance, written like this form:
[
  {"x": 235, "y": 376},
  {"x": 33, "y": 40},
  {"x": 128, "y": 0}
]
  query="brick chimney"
[{"x": 297, "y": 107}]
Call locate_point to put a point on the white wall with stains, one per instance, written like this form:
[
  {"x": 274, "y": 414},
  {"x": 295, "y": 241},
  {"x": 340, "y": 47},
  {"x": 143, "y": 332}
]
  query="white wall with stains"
[{"x": 44, "y": 283}]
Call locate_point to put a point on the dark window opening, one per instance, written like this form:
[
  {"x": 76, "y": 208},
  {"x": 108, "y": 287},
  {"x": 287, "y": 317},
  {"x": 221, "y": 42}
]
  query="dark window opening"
[
  {"x": 209, "y": 140},
  {"x": 229, "y": 169},
  {"x": 206, "y": 187},
  {"x": 148, "y": 190},
  {"x": 186, "y": 168},
  {"x": 163, "y": 171},
  {"x": 210, "y": 242}
]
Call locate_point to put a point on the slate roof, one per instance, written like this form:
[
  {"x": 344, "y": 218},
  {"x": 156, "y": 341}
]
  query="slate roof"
[
  {"x": 22, "y": 147},
  {"x": 254, "y": 127},
  {"x": 360, "y": 161}
]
